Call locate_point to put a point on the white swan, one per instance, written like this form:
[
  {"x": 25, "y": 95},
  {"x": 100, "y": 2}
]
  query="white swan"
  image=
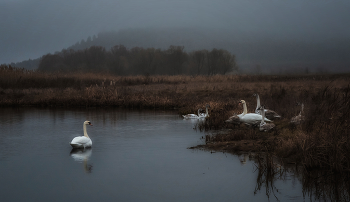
[
  {"x": 268, "y": 113},
  {"x": 299, "y": 118},
  {"x": 263, "y": 125},
  {"x": 82, "y": 141},
  {"x": 206, "y": 114},
  {"x": 249, "y": 118},
  {"x": 192, "y": 116}
]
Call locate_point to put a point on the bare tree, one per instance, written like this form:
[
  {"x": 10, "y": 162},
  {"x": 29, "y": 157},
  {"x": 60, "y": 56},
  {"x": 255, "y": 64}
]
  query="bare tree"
[
  {"x": 176, "y": 57},
  {"x": 198, "y": 59}
]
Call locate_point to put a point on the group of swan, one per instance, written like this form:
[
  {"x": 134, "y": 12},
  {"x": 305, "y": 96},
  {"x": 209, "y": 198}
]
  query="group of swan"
[
  {"x": 199, "y": 116},
  {"x": 245, "y": 117},
  {"x": 250, "y": 118},
  {"x": 268, "y": 113},
  {"x": 253, "y": 119},
  {"x": 261, "y": 115},
  {"x": 85, "y": 141}
]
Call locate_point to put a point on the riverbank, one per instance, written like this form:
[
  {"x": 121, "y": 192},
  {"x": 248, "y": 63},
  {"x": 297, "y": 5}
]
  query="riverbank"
[{"x": 321, "y": 141}]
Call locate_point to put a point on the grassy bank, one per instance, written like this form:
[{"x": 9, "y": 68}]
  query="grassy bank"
[{"x": 322, "y": 141}]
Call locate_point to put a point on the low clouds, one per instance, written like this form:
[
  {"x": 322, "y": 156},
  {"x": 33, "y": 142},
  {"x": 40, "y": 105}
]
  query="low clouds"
[{"x": 30, "y": 29}]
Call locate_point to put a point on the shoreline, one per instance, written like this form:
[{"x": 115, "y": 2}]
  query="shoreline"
[{"x": 326, "y": 99}]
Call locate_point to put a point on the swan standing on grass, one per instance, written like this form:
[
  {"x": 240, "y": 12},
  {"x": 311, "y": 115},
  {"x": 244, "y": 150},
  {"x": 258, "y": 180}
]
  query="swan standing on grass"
[
  {"x": 192, "y": 116},
  {"x": 206, "y": 114},
  {"x": 249, "y": 118},
  {"x": 234, "y": 120},
  {"x": 263, "y": 125},
  {"x": 268, "y": 113},
  {"x": 299, "y": 118},
  {"x": 82, "y": 141}
]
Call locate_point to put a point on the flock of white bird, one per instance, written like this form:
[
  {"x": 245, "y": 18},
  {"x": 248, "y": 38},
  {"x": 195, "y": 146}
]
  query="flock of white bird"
[
  {"x": 259, "y": 118},
  {"x": 199, "y": 115}
]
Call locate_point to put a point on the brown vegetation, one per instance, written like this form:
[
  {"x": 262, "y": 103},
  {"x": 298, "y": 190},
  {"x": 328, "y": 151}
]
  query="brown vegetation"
[{"x": 321, "y": 141}]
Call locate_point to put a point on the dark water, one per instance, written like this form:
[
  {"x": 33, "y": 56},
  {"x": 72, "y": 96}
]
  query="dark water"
[{"x": 136, "y": 156}]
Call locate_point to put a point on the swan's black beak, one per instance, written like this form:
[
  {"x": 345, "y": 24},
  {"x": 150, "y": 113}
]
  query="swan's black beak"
[{"x": 90, "y": 124}]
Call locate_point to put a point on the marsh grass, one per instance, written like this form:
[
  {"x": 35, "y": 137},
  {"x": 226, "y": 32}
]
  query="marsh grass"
[
  {"x": 318, "y": 185},
  {"x": 321, "y": 141},
  {"x": 323, "y": 185}
]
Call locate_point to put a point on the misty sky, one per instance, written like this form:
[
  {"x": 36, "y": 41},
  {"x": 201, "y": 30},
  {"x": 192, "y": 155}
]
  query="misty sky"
[{"x": 31, "y": 28}]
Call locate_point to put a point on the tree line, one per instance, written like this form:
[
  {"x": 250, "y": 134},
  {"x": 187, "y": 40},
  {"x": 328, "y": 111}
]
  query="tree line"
[{"x": 140, "y": 61}]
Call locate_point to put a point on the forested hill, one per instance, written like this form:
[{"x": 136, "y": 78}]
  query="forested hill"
[
  {"x": 190, "y": 38},
  {"x": 253, "y": 51},
  {"x": 27, "y": 64},
  {"x": 119, "y": 60},
  {"x": 268, "y": 53}
]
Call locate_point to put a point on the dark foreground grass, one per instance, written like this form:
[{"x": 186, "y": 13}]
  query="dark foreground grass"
[
  {"x": 318, "y": 185},
  {"x": 321, "y": 142}
]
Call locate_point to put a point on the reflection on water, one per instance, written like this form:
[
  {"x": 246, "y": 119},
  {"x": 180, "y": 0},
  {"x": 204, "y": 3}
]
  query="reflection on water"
[
  {"x": 139, "y": 156},
  {"x": 326, "y": 185},
  {"x": 82, "y": 156},
  {"x": 268, "y": 173},
  {"x": 317, "y": 185},
  {"x": 244, "y": 158}
]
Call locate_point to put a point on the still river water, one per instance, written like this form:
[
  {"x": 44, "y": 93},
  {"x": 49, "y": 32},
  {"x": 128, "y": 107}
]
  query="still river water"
[{"x": 136, "y": 156}]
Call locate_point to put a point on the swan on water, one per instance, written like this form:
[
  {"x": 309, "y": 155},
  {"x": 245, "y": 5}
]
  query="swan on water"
[
  {"x": 206, "y": 114},
  {"x": 249, "y": 118},
  {"x": 268, "y": 113},
  {"x": 263, "y": 125},
  {"x": 193, "y": 116},
  {"x": 299, "y": 118},
  {"x": 82, "y": 141}
]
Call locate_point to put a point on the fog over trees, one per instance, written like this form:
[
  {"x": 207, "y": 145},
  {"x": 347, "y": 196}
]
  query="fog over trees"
[
  {"x": 253, "y": 54},
  {"x": 119, "y": 60},
  {"x": 266, "y": 36}
]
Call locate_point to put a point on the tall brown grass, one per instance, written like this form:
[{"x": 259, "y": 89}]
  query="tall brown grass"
[
  {"x": 318, "y": 185},
  {"x": 322, "y": 141}
]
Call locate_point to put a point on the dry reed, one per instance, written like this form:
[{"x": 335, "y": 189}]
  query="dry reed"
[{"x": 322, "y": 141}]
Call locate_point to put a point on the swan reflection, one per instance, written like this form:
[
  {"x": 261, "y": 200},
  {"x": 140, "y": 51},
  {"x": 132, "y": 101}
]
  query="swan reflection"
[
  {"x": 244, "y": 158},
  {"x": 82, "y": 156}
]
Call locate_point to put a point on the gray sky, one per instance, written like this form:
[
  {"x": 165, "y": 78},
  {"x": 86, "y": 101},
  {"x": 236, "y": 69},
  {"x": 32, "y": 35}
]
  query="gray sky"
[{"x": 31, "y": 28}]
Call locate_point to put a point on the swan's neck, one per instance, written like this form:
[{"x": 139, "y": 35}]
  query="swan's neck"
[
  {"x": 206, "y": 111},
  {"x": 262, "y": 115},
  {"x": 245, "y": 109},
  {"x": 85, "y": 133},
  {"x": 257, "y": 101},
  {"x": 198, "y": 112}
]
